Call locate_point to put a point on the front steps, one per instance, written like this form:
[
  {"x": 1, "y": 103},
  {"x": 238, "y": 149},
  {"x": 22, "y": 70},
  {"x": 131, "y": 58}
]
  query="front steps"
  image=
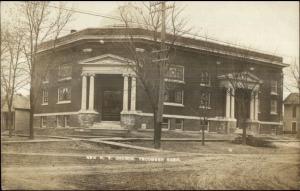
[{"x": 104, "y": 128}]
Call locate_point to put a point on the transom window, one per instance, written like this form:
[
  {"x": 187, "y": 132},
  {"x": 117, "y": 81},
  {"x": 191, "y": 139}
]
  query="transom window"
[
  {"x": 64, "y": 94},
  {"x": 174, "y": 96},
  {"x": 45, "y": 96},
  {"x": 64, "y": 71},
  {"x": 175, "y": 73},
  {"x": 204, "y": 79},
  {"x": 273, "y": 106},
  {"x": 274, "y": 87}
]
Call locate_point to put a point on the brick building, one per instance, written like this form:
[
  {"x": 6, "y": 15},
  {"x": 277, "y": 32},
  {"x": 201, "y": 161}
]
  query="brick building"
[
  {"x": 92, "y": 83},
  {"x": 291, "y": 116}
]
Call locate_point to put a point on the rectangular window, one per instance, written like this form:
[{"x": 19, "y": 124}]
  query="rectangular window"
[
  {"x": 273, "y": 106},
  {"x": 64, "y": 71},
  {"x": 294, "y": 111},
  {"x": 294, "y": 125},
  {"x": 67, "y": 120},
  {"x": 205, "y": 79},
  {"x": 274, "y": 87},
  {"x": 43, "y": 121},
  {"x": 175, "y": 73},
  {"x": 205, "y": 100},
  {"x": 174, "y": 96},
  {"x": 166, "y": 123},
  {"x": 179, "y": 124},
  {"x": 45, "y": 97},
  {"x": 64, "y": 95}
]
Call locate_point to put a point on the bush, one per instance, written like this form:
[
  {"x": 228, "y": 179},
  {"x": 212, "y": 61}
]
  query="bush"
[{"x": 254, "y": 141}]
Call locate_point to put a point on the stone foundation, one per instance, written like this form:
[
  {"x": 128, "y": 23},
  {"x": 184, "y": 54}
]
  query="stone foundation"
[
  {"x": 87, "y": 119},
  {"x": 128, "y": 121},
  {"x": 222, "y": 126}
]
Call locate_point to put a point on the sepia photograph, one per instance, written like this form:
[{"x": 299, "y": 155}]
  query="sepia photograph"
[{"x": 150, "y": 95}]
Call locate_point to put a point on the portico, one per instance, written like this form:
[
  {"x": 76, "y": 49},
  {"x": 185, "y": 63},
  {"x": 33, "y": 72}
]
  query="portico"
[
  {"x": 251, "y": 84},
  {"x": 116, "y": 88}
]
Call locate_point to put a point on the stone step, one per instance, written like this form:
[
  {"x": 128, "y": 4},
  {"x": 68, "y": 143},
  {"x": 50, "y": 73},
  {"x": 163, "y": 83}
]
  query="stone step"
[{"x": 107, "y": 125}]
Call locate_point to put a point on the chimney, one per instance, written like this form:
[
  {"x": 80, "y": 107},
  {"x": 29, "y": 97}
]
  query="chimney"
[{"x": 73, "y": 30}]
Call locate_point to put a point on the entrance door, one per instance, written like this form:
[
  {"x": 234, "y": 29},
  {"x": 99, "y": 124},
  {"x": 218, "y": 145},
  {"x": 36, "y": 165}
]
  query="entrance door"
[{"x": 112, "y": 105}]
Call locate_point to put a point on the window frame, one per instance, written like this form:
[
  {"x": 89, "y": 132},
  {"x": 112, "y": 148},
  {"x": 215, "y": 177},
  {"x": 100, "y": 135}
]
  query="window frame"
[
  {"x": 276, "y": 107},
  {"x": 167, "y": 79},
  {"x": 170, "y": 103},
  {"x": 64, "y": 101},
  {"x": 60, "y": 78},
  {"x": 205, "y": 76},
  {"x": 209, "y": 101},
  {"x": 181, "y": 124},
  {"x": 43, "y": 121},
  {"x": 274, "y": 82},
  {"x": 43, "y": 96}
]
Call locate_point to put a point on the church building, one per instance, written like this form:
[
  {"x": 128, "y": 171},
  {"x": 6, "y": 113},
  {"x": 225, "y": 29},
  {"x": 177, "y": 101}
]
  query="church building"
[{"x": 92, "y": 84}]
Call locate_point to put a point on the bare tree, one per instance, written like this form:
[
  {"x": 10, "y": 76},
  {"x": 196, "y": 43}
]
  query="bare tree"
[
  {"x": 152, "y": 63},
  {"x": 40, "y": 23},
  {"x": 13, "y": 76}
]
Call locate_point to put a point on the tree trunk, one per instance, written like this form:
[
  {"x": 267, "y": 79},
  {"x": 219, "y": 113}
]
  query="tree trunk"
[
  {"x": 9, "y": 122},
  {"x": 157, "y": 131},
  {"x": 203, "y": 138},
  {"x": 31, "y": 129}
]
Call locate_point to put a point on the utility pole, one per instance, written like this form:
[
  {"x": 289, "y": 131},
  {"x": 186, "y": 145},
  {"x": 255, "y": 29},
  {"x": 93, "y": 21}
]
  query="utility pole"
[{"x": 162, "y": 61}]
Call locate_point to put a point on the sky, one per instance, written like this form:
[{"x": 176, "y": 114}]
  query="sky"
[{"x": 271, "y": 26}]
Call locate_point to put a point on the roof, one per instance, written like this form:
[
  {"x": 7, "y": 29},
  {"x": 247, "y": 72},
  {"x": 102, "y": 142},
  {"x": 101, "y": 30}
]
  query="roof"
[
  {"x": 19, "y": 102},
  {"x": 144, "y": 34},
  {"x": 293, "y": 98}
]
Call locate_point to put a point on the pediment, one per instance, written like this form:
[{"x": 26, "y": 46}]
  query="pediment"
[
  {"x": 243, "y": 76},
  {"x": 107, "y": 59}
]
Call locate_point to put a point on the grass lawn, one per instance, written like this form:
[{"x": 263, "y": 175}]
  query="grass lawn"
[{"x": 225, "y": 147}]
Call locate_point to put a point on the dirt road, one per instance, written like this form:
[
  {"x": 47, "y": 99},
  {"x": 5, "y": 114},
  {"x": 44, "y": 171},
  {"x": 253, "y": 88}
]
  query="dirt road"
[{"x": 219, "y": 171}]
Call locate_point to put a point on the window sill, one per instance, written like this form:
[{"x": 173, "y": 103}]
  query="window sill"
[
  {"x": 45, "y": 82},
  {"x": 65, "y": 79},
  {"x": 274, "y": 113},
  {"x": 202, "y": 107},
  {"x": 63, "y": 102},
  {"x": 176, "y": 81},
  {"x": 174, "y": 104},
  {"x": 205, "y": 85},
  {"x": 44, "y": 103},
  {"x": 274, "y": 93}
]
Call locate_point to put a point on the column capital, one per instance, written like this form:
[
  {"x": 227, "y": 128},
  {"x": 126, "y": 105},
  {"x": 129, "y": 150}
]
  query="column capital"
[
  {"x": 91, "y": 74},
  {"x": 125, "y": 75},
  {"x": 84, "y": 74}
]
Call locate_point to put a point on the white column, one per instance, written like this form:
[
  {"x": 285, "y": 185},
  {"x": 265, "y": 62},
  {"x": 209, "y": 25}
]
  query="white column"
[
  {"x": 227, "y": 114},
  {"x": 125, "y": 93},
  {"x": 133, "y": 93},
  {"x": 232, "y": 104},
  {"x": 256, "y": 106},
  {"x": 252, "y": 107},
  {"x": 83, "y": 93},
  {"x": 91, "y": 94}
]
